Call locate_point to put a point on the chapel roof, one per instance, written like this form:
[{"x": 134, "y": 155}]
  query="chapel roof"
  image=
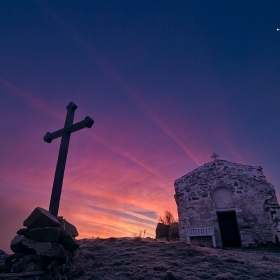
[{"x": 221, "y": 165}]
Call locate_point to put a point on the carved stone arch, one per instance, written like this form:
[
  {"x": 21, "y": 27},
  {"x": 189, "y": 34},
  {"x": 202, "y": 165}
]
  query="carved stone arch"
[{"x": 223, "y": 198}]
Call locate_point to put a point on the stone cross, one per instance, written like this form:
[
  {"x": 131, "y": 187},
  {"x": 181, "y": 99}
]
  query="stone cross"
[
  {"x": 65, "y": 134},
  {"x": 215, "y": 156}
]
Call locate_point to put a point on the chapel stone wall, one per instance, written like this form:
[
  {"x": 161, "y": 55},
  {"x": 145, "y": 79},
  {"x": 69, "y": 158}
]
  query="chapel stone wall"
[{"x": 224, "y": 186}]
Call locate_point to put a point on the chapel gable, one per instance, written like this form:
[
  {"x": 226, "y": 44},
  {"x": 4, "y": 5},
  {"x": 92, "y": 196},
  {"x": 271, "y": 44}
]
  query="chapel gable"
[{"x": 227, "y": 204}]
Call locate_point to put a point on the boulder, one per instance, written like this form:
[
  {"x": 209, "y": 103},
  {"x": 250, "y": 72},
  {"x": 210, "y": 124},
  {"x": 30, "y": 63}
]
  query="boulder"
[
  {"x": 16, "y": 243},
  {"x": 47, "y": 234},
  {"x": 41, "y": 218},
  {"x": 174, "y": 231},
  {"x": 162, "y": 231},
  {"x": 3, "y": 256},
  {"x": 69, "y": 243},
  {"x": 22, "y": 231},
  {"x": 68, "y": 228},
  {"x": 47, "y": 249}
]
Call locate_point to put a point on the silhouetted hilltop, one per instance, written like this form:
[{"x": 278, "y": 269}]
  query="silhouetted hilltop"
[{"x": 148, "y": 259}]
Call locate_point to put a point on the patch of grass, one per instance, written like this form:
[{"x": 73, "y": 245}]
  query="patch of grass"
[
  {"x": 147, "y": 259},
  {"x": 225, "y": 276}
]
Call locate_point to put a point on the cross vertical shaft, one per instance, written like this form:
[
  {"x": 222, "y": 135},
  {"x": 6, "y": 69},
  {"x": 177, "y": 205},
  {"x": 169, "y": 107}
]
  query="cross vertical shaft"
[
  {"x": 61, "y": 160},
  {"x": 65, "y": 134}
]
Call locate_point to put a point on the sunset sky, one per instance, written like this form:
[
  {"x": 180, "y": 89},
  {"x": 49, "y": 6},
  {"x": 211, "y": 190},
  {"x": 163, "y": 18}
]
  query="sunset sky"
[{"x": 167, "y": 83}]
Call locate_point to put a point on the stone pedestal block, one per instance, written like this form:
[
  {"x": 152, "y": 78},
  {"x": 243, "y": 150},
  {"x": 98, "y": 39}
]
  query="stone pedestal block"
[
  {"x": 69, "y": 243},
  {"x": 41, "y": 218},
  {"x": 162, "y": 231},
  {"x": 68, "y": 228},
  {"x": 47, "y": 234},
  {"x": 47, "y": 249}
]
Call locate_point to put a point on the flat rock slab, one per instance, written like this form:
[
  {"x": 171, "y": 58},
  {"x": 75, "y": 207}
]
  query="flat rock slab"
[
  {"x": 68, "y": 228},
  {"x": 46, "y": 249},
  {"x": 46, "y": 234},
  {"x": 41, "y": 218},
  {"x": 22, "y": 231}
]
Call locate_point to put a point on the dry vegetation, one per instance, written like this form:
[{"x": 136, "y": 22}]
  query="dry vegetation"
[{"x": 147, "y": 259}]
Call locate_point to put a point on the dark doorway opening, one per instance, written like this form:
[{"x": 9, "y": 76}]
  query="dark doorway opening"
[{"x": 229, "y": 229}]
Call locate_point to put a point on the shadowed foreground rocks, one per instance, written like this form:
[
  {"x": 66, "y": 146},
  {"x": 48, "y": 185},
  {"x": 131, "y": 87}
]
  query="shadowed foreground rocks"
[
  {"x": 45, "y": 243},
  {"x": 148, "y": 259}
]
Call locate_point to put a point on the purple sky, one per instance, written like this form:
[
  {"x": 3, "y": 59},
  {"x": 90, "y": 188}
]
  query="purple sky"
[{"x": 167, "y": 83}]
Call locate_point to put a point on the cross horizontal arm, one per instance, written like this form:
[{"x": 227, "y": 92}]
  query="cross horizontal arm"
[
  {"x": 87, "y": 122},
  {"x": 50, "y": 136}
]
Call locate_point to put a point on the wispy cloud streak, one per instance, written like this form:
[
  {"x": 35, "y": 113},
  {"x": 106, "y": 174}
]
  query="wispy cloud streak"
[
  {"x": 42, "y": 106},
  {"x": 29, "y": 99},
  {"x": 120, "y": 81}
]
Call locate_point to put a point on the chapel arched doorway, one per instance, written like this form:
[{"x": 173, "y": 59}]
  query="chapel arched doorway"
[{"x": 227, "y": 217}]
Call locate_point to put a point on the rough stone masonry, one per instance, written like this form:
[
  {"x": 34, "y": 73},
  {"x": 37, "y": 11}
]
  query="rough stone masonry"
[{"x": 227, "y": 204}]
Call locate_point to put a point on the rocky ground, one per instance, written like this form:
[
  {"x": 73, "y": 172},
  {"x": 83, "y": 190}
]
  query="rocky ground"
[{"x": 148, "y": 259}]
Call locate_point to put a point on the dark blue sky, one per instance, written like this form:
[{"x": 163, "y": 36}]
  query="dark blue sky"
[{"x": 167, "y": 83}]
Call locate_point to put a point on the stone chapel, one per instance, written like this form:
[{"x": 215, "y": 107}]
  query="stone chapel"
[{"x": 225, "y": 204}]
